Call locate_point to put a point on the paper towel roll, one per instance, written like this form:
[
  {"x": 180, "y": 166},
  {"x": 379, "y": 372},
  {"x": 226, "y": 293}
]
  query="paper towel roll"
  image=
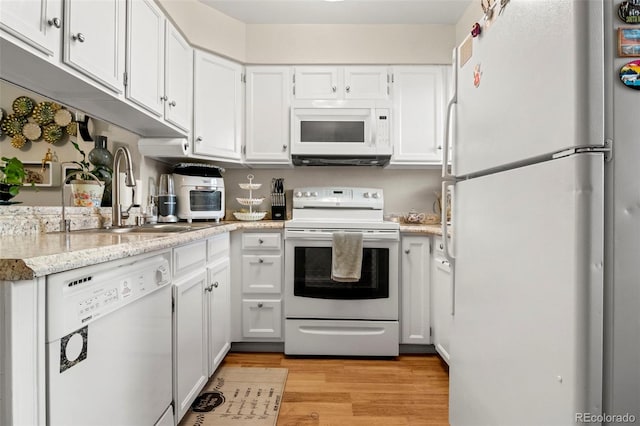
[{"x": 163, "y": 147}]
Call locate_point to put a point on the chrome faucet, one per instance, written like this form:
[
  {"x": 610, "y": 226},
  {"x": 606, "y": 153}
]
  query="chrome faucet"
[{"x": 117, "y": 212}]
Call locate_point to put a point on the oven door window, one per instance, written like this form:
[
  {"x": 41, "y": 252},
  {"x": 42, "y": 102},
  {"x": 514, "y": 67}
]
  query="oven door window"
[
  {"x": 312, "y": 275},
  {"x": 205, "y": 200},
  {"x": 332, "y": 131}
]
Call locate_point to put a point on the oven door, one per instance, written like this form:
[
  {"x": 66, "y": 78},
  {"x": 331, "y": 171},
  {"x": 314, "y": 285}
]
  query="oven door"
[{"x": 310, "y": 292}]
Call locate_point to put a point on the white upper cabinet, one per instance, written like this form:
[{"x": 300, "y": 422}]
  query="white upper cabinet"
[
  {"x": 419, "y": 100},
  {"x": 145, "y": 55},
  {"x": 352, "y": 82},
  {"x": 178, "y": 96},
  {"x": 36, "y": 23},
  {"x": 218, "y": 107},
  {"x": 268, "y": 101},
  {"x": 94, "y": 36},
  {"x": 366, "y": 82},
  {"x": 316, "y": 82}
]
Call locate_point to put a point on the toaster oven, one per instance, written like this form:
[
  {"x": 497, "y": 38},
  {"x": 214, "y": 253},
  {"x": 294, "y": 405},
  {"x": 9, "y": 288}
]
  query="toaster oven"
[{"x": 200, "y": 191}]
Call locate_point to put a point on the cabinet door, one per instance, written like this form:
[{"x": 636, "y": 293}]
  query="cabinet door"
[
  {"x": 217, "y": 107},
  {"x": 261, "y": 273},
  {"x": 442, "y": 301},
  {"x": 261, "y": 318},
  {"x": 419, "y": 99},
  {"x": 94, "y": 40},
  {"x": 189, "y": 341},
  {"x": 36, "y": 23},
  {"x": 366, "y": 83},
  {"x": 415, "y": 322},
  {"x": 145, "y": 55},
  {"x": 267, "y": 105},
  {"x": 218, "y": 313},
  {"x": 178, "y": 79},
  {"x": 317, "y": 83}
]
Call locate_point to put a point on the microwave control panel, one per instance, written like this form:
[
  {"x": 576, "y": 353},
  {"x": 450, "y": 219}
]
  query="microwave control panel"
[{"x": 382, "y": 124}]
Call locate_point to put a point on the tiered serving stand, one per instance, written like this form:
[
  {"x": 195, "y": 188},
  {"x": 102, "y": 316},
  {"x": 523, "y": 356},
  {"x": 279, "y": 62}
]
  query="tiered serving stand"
[{"x": 250, "y": 202}]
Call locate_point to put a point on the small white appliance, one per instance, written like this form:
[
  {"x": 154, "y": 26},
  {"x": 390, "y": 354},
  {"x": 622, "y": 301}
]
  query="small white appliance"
[
  {"x": 325, "y": 317},
  {"x": 200, "y": 191},
  {"x": 109, "y": 344},
  {"x": 545, "y": 224},
  {"x": 340, "y": 133}
]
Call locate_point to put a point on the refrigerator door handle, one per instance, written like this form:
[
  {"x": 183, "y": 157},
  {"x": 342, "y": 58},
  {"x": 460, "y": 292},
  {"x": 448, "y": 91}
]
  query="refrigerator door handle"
[
  {"x": 446, "y": 174},
  {"x": 446, "y": 244}
]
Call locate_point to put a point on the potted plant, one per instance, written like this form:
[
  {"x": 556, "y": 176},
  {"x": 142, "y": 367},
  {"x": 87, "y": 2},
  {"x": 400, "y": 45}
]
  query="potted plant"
[
  {"x": 12, "y": 175},
  {"x": 87, "y": 189}
]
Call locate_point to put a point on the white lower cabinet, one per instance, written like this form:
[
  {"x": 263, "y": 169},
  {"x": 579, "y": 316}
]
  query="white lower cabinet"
[
  {"x": 442, "y": 295},
  {"x": 257, "y": 303},
  {"x": 414, "y": 278},
  {"x": 218, "y": 313},
  {"x": 190, "y": 370},
  {"x": 201, "y": 316}
]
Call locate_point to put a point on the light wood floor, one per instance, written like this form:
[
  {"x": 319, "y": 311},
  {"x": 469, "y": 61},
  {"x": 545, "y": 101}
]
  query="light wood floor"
[{"x": 407, "y": 390}]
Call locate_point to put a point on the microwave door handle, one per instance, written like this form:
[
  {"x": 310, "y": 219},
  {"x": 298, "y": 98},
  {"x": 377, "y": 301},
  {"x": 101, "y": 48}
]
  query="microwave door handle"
[{"x": 373, "y": 127}]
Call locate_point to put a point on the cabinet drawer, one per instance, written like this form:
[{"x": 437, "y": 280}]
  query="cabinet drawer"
[
  {"x": 217, "y": 247},
  {"x": 261, "y": 241},
  {"x": 261, "y": 273},
  {"x": 188, "y": 258},
  {"x": 261, "y": 318}
]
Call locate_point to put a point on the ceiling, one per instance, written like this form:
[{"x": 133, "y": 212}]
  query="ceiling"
[{"x": 446, "y": 12}]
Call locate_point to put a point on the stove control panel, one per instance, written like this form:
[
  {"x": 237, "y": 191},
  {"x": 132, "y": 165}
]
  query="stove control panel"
[{"x": 338, "y": 197}]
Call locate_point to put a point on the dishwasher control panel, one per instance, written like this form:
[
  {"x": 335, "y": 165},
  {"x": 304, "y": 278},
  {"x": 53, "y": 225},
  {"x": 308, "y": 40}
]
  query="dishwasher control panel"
[{"x": 77, "y": 298}]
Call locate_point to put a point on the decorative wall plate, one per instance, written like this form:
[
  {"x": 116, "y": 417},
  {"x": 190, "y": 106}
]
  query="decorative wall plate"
[
  {"x": 32, "y": 131},
  {"x": 23, "y": 106},
  {"x": 18, "y": 141},
  {"x": 62, "y": 117},
  {"x": 12, "y": 124},
  {"x": 43, "y": 113},
  {"x": 52, "y": 133}
]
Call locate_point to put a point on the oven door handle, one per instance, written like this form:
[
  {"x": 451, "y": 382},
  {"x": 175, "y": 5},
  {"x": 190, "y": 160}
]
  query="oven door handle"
[{"x": 327, "y": 236}]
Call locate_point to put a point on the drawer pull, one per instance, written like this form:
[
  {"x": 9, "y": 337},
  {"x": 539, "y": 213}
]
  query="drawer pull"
[
  {"x": 55, "y": 22},
  {"x": 260, "y": 241},
  {"x": 260, "y": 260},
  {"x": 407, "y": 251},
  {"x": 79, "y": 37},
  {"x": 215, "y": 285},
  {"x": 260, "y": 305}
]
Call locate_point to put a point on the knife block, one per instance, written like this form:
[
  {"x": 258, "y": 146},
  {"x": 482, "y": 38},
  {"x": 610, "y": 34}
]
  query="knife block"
[{"x": 279, "y": 212}]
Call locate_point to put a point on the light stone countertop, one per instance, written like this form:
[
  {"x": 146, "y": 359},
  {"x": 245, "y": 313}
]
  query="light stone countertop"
[
  {"x": 23, "y": 257},
  {"x": 36, "y": 254}
]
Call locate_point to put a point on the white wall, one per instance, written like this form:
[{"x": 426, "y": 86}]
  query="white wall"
[
  {"x": 206, "y": 28},
  {"x": 349, "y": 44},
  {"x": 144, "y": 168},
  {"x": 403, "y": 189},
  {"x": 472, "y": 15}
]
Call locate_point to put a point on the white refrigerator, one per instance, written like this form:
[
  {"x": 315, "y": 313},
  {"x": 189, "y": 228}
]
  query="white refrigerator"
[{"x": 545, "y": 229}]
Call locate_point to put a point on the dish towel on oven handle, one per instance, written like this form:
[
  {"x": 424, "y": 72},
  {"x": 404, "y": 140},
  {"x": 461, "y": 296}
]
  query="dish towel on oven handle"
[{"x": 346, "y": 257}]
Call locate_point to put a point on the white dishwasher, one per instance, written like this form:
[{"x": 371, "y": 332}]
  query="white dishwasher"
[{"x": 109, "y": 344}]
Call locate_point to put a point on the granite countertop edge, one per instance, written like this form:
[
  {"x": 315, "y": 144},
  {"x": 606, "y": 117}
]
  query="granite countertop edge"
[
  {"x": 16, "y": 268},
  {"x": 63, "y": 258}
]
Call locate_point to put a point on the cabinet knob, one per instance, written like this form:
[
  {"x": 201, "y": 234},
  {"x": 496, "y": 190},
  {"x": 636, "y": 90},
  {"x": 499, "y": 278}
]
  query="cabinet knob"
[
  {"x": 260, "y": 241},
  {"x": 284, "y": 147},
  {"x": 260, "y": 305},
  {"x": 407, "y": 251},
  {"x": 199, "y": 139},
  {"x": 440, "y": 147},
  {"x": 164, "y": 98},
  {"x": 215, "y": 285},
  {"x": 334, "y": 89},
  {"x": 207, "y": 288},
  {"x": 172, "y": 103},
  {"x": 55, "y": 22},
  {"x": 348, "y": 89},
  {"x": 79, "y": 37},
  {"x": 260, "y": 260}
]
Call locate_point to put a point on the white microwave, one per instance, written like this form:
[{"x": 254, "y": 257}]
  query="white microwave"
[{"x": 341, "y": 133}]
